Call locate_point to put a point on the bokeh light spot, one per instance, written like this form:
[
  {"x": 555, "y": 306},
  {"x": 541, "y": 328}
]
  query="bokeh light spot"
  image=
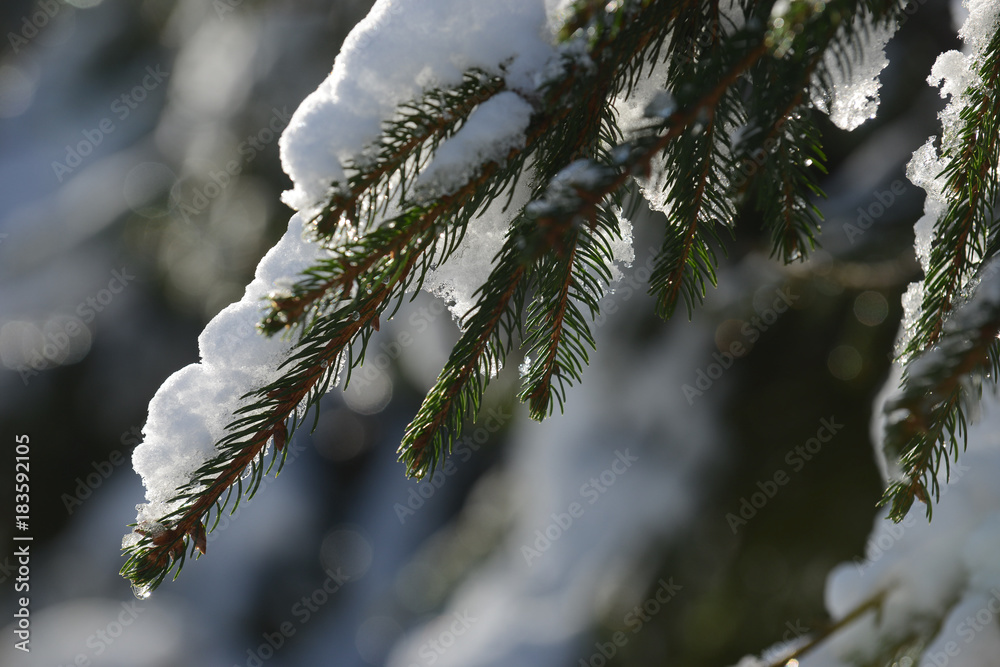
[{"x": 844, "y": 362}]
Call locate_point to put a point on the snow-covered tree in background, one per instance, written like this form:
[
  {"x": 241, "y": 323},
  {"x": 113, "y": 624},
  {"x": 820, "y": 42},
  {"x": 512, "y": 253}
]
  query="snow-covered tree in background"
[{"x": 487, "y": 152}]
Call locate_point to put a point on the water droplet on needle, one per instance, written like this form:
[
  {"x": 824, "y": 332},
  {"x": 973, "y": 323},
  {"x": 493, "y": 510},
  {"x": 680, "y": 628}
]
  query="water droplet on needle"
[{"x": 141, "y": 592}]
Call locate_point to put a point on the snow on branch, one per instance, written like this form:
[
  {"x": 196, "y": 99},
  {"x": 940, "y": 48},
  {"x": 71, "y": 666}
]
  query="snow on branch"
[{"x": 945, "y": 344}]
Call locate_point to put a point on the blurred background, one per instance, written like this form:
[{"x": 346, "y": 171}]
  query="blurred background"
[{"x": 684, "y": 510}]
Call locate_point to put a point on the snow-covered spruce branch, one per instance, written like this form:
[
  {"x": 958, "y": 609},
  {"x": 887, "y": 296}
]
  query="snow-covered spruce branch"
[
  {"x": 964, "y": 234},
  {"x": 524, "y": 138},
  {"x": 389, "y": 168},
  {"x": 342, "y": 297},
  {"x": 927, "y": 417},
  {"x": 945, "y": 344}
]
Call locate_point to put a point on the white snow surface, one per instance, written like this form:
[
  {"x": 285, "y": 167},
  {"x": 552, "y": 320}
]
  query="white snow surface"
[
  {"x": 491, "y": 131},
  {"x": 953, "y": 72},
  {"x": 854, "y": 96},
  {"x": 396, "y": 52},
  {"x": 190, "y": 411},
  {"x": 924, "y": 171},
  {"x": 980, "y": 24},
  {"x": 456, "y": 281},
  {"x": 632, "y": 118}
]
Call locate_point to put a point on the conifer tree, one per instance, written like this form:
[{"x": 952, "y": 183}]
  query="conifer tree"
[{"x": 730, "y": 93}]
